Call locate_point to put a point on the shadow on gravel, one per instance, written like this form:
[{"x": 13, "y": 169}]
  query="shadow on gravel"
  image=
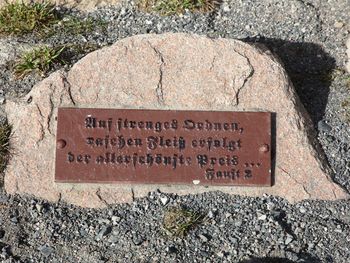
[
  {"x": 310, "y": 69},
  {"x": 281, "y": 260}
]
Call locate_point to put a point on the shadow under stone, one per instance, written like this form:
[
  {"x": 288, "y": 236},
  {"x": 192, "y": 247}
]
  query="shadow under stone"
[
  {"x": 303, "y": 259},
  {"x": 267, "y": 260},
  {"x": 309, "y": 68}
]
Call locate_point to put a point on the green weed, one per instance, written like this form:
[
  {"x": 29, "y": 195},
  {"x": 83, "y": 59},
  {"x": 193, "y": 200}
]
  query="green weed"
[
  {"x": 78, "y": 49},
  {"x": 178, "y": 221},
  {"x": 347, "y": 80},
  {"x": 39, "y": 60},
  {"x": 172, "y": 7},
  {"x": 71, "y": 25},
  {"x": 346, "y": 102},
  {"x": 20, "y": 18},
  {"x": 5, "y": 149},
  {"x": 346, "y": 106},
  {"x": 74, "y": 25}
]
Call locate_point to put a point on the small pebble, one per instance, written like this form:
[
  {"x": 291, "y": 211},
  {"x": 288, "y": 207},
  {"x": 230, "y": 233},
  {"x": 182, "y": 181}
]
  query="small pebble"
[
  {"x": 302, "y": 210},
  {"x": 137, "y": 240},
  {"x": 203, "y": 238},
  {"x": 45, "y": 250},
  {"x": 39, "y": 207},
  {"x": 238, "y": 223},
  {"x": 262, "y": 217},
  {"x": 324, "y": 127},
  {"x": 164, "y": 200},
  {"x": 115, "y": 219},
  {"x": 105, "y": 230},
  {"x": 226, "y": 8},
  {"x": 288, "y": 239},
  {"x": 338, "y": 24}
]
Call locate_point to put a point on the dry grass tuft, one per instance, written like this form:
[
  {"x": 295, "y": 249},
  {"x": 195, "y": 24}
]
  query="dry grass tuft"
[
  {"x": 346, "y": 106},
  {"x": 178, "y": 221},
  {"x": 5, "y": 147},
  {"x": 172, "y": 7},
  {"x": 346, "y": 102}
]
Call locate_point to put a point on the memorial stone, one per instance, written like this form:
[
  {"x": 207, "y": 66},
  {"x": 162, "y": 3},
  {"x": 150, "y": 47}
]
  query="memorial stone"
[{"x": 178, "y": 72}]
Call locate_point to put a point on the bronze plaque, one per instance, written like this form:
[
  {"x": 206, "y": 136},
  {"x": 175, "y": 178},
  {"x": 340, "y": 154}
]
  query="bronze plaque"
[{"x": 163, "y": 147}]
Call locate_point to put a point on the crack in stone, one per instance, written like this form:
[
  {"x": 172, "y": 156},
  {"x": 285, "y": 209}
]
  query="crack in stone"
[
  {"x": 126, "y": 50},
  {"x": 251, "y": 73},
  {"x": 59, "y": 198},
  {"x": 49, "y": 117},
  {"x": 304, "y": 188},
  {"x": 212, "y": 63},
  {"x": 132, "y": 194},
  {"x": 67, "y": 86},
  {"x": 17, "y": 186},
  {"x": 39, "y": 110},
  {"x": 335, "y": 196},
  {"x": 98, "y": 95},
  {"x": 98, "y": 194},
  {"x": 42, "y": 130},
  {"x": 159, "y": 89}
]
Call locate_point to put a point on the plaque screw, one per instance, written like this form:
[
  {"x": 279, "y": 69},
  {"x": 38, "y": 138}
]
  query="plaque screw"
[
  {"x": 61, "y": 144},
  {"x": 264, "y": 148}
]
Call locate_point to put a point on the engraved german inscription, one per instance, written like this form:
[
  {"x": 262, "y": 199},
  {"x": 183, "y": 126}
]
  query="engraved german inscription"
[{"x": 163, "y": 147}]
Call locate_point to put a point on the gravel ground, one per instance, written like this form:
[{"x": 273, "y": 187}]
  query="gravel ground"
[
  {"x": 309, "y": 37},
  {"x": 234, "y": 229}
]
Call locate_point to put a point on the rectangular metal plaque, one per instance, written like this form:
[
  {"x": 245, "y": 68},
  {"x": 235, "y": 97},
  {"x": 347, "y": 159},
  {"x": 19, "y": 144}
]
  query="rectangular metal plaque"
[{"x": 163, "y": 147}]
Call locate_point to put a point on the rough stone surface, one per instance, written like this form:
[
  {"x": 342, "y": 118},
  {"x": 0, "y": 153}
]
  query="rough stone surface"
[
  {"x": 348, "y": 52},
  {"x": 170, "y": 71}
]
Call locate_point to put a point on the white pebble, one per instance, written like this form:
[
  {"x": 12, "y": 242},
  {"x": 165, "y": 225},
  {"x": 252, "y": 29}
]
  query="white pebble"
[
  {"x": 164, "y": 200},
  {"x": 196, "y": 181},
  {"x": 338, "y": 24},
  {"x": 262, "y": 217}
]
